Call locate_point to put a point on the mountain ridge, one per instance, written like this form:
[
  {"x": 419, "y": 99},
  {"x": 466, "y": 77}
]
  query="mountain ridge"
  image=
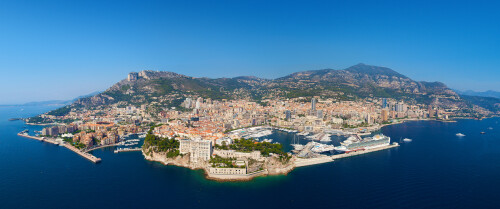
[{"x": 355, "y": 82}]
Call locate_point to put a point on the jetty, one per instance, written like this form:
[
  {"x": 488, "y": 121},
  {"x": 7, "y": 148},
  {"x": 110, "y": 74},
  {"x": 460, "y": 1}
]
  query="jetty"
[{"x": 85, "y": 155}]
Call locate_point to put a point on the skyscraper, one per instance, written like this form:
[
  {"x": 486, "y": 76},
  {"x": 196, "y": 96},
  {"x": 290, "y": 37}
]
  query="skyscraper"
[
  {"x": 313, "y": 104},
  {"x": 400, "y": 107},
  {"x": 384, "y": 115},
  {"x": 319, "y": 113},
  {"x": 288, "y": 115},
  {"x": 384, "y": 103},
  {"x": 188, "y": 102},
  {"x": 199, "y": 101}
]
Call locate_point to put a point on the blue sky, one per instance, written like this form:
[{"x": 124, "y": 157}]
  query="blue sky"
[{"x": 63, "y": 49}]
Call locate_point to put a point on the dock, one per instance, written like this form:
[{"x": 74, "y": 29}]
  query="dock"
[
  {"x": 102, "y": 146},
  {"x": 300, "y": 162},
  {"x": 127, "y": 150},
  {"x": 350, "y": 154},
  {"x": 85, "y": 155}
]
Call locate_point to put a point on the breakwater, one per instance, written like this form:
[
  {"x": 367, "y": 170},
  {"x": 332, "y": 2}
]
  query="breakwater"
[
  {"x": 37, "y": 138},
  {"x": 85, "y": 155}
]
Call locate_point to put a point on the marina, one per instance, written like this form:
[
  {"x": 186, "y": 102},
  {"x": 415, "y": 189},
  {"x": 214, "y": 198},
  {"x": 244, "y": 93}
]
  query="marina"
[
  {"x": 253, "y": 132},
  {"x": 324, "y": 137}
]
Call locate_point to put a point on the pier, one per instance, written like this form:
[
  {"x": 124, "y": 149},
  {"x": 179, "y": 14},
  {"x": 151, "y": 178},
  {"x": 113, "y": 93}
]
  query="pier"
[
  {"x": 103, "y": 146},
  {"x": 85, "y": 155},
  {"x": 300, "y": 162},
  {"x": 127, "y": 150},
  {"x": 350, "y": 154}
]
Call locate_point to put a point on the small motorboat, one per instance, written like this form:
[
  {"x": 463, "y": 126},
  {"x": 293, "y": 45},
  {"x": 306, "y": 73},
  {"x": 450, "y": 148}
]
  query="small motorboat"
[{"x": 407, "y": 140}]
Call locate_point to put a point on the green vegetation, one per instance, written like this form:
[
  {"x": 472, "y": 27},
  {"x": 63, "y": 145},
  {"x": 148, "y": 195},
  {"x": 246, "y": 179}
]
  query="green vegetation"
[
  {"x": 78, "y": 145},
  {"x": 160, "y": 144},
  {"x": 61, "y": 111},
  {"x": 363, "y": 124},
  {"x": 118, "y": 96},
  {"x": 125, "y": 87},
  {"x": 173, "y": 153},
  {"x": 68, "y": 139},
  {"x": 176, "y": 103},
  {"x": 163, "y": 86},
  {"x": 263, "y": 104},
  {"x": 38, "y": 119},
  {"x": 249, "y": 145}
]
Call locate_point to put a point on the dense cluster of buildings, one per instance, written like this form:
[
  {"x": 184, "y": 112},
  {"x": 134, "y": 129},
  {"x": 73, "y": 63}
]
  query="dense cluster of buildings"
[
  {"x": 206, "y": 122},
  {"x": 210, "y": 119},
  {"x": 57, "y": 130},
  {"x": 91, "y": 134}
]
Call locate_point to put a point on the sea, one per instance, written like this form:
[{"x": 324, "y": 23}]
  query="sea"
[{"x": 436, "y": 169}]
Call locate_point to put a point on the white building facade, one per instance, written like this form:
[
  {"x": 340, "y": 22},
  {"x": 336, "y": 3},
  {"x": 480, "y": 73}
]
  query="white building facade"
[{"x": 197, "y": 149}]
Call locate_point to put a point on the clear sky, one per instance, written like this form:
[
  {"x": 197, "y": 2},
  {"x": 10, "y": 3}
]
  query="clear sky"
[{"x": 63, "y": 49}]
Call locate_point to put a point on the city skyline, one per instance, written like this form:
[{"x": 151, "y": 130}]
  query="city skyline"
[{"x": 60, "y": 50}]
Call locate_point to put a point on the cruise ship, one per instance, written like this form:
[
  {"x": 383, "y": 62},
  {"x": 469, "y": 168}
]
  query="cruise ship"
[{"x": 355, "y": 143}]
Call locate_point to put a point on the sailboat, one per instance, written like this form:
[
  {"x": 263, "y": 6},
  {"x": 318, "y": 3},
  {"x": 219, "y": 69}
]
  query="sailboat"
[{"x": 296, "y": 144}]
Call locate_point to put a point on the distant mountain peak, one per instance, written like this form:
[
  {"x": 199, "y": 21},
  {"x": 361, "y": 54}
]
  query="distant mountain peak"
[
  {"x": 373, "y": 70},
  {"x": 489, "y": 93}
]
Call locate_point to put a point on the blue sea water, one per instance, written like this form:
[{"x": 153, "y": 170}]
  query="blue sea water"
[{"x": 436, "y": 170}]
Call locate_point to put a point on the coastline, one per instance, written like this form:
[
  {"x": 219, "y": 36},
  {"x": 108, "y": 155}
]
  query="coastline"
[
  {"x": 427, "y": 119},
  {"x": 184, "y": 161},
  {"x": 295, "y": 162}
]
